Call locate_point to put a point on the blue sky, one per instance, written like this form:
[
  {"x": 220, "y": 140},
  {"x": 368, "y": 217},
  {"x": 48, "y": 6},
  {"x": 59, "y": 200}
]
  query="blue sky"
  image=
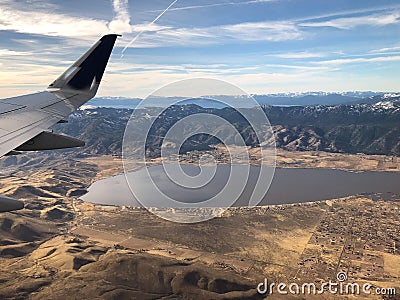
[{"x": 262, "y": 46}]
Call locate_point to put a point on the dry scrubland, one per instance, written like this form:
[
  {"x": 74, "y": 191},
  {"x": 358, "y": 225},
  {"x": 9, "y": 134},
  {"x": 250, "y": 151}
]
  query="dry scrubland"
[{"x": 61, "y": 248}]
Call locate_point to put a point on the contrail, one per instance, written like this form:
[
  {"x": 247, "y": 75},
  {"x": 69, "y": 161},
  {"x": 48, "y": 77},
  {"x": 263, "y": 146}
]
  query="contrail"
[{"x": 151, "y": 23}]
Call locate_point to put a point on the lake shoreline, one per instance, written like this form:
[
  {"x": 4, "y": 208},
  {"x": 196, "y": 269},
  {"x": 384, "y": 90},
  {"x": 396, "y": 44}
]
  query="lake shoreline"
[{"x": 306, "y": 185}]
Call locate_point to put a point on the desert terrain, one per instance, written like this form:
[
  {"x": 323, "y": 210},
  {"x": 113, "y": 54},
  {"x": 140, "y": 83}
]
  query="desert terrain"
[{"x": 60, "y": 247}]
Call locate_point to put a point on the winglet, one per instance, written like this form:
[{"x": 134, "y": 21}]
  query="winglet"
[{"x": 86, "y": 73}]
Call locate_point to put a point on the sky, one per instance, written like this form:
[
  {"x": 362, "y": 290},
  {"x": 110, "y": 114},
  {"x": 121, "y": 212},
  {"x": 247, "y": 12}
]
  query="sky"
[{"x": 261, "y": 46}]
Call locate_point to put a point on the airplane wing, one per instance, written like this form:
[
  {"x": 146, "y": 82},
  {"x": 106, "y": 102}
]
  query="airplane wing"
[{"x": 25, "y": 119}]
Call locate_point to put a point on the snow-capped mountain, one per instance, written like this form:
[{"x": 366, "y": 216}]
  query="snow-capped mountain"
[{"x": 280, "y": 99}]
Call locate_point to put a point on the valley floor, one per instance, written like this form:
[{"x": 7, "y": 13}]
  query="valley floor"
[{"x": 62, "y": 248}]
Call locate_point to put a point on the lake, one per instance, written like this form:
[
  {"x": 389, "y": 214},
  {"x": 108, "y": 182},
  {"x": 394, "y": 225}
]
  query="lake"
[{"x": 289, "y": 185}]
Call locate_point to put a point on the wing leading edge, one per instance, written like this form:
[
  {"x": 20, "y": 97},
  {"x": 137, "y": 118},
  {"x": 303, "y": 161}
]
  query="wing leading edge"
[{"x": 25, "y": 119}]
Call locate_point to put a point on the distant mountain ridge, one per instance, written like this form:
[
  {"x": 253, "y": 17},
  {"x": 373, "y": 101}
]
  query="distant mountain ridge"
[
  {"x": 281, "y": 99},
  {"x": 357, "y": 128}
]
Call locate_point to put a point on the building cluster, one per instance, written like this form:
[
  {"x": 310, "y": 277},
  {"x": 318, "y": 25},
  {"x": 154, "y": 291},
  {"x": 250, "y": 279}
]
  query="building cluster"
[{"x": 355, "y": 239}]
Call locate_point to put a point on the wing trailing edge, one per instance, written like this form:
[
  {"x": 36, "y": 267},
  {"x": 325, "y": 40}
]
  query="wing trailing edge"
[
  {"x": 49, "y": 141},
  {"x": 10, "y": 204}
]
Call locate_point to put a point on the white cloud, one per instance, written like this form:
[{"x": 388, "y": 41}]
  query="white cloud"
[
  {"x": 142, "y": 84},
  {"x": 38, "y": 20},
  {"x": 216, "y": 5},
  {"x": 352, "y": 22},
  {"x": 149, "y": 27},
  {"x": 49, "y": 22},
  {"x": 6, "y": 52},
  {"x": 261, "y": 31},
  {"x": 121, "y": 22},
  {"x": 14, "y": 18},
  {"x": 142, "y": 79},
  {"x": 388, "y": 49},
  {"x": 300, "y": 55},
  {"x": 248, "y": 31},
  {"x": 342, "y": 61}
]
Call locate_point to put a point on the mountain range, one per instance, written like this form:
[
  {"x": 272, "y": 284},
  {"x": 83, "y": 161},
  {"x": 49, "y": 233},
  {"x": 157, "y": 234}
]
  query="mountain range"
[
  {"x": 357, "y": 128},
  {"x": 282, "y": 99}
]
